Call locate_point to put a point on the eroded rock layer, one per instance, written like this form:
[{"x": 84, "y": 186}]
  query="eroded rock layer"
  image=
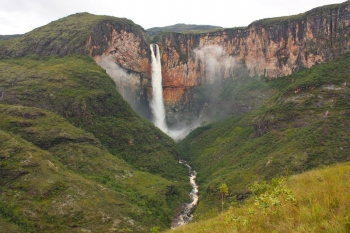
[{"x": 271, "y": 47}]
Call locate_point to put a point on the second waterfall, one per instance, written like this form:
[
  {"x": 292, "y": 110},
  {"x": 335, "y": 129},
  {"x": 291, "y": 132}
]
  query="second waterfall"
[{"x": 157, "y": 103}]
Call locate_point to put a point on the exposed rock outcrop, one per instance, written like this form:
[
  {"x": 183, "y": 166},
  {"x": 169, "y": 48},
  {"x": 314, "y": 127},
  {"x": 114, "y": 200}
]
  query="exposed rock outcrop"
[
  {"x": 270, "y": 47},
  {"x": 124, "y": 53}
]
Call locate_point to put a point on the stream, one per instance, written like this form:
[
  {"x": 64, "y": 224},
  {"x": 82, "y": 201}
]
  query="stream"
[{"x": 186, "y": 215}]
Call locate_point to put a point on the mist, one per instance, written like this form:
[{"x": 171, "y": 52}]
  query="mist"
[
  {"x": 119, "y": 75},
  {"x": 217, "y": 63},
  {"x": 216, "y": 66},
  {"x": 128, "y": 85},
  {"x": 223, "y": 78}
]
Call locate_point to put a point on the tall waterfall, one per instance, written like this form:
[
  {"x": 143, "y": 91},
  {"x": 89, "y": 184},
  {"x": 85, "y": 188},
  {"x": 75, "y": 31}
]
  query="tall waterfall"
[{"x": 157, "y": 103}]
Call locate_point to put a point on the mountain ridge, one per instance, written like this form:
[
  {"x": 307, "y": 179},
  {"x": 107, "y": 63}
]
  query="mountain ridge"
[{"x": 181, "y": 28}]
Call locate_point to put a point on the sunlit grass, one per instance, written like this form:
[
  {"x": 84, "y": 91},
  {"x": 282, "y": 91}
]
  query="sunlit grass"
[{"x": 322, "y": 205}]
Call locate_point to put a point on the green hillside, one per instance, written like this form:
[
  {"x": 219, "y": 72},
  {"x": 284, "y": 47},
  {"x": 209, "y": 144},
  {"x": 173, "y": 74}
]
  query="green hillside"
[
  {"x": 315, "y": 201},
  {"x": 303, "y": 126},
  {"x": 56, "y": 177},
  {"x": 102, "y": 151}
]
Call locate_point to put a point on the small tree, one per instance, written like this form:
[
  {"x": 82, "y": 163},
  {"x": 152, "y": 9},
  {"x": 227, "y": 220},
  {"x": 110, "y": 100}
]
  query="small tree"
[
  {"x": 224, "y": 191},
  {"x": 155, "y": 229}
]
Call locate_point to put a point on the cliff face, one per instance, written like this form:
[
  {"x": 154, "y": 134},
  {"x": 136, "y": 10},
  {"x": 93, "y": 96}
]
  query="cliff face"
[
  {"x": 272, "y": 47},
  {"x": 127, "y": 46},
  {"x": 124, "y": 53}
]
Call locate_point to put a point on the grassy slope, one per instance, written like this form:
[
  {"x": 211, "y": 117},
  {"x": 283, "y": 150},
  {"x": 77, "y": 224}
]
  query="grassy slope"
[
  {"x": 44, "y": 189},
  {"x": 101, "y": 123},
  {"x": 321, "y": 205},
  {"x": 291, "y": 133},
  {"x": 51, "y": 170}
]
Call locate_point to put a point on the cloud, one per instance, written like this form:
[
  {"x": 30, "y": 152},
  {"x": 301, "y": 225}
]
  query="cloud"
[{"x": 21, "y": 16}]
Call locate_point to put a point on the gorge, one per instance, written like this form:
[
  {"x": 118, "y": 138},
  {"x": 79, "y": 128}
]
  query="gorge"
[{"x": 270, "y": 47}]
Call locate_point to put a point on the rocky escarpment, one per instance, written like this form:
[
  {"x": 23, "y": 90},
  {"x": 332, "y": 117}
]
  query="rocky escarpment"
[{"x": 271, "y": 47}]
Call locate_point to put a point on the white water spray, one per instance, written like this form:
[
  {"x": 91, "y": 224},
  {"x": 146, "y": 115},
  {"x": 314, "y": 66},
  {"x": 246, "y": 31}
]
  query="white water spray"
[{"x": 157, "y": 104}]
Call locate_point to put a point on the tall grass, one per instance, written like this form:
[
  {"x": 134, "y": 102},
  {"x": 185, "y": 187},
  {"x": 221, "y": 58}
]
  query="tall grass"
[{"x": 321, "y": 204}]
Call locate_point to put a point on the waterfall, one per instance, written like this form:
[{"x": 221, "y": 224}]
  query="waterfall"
[{"x": 157, "y": 104}]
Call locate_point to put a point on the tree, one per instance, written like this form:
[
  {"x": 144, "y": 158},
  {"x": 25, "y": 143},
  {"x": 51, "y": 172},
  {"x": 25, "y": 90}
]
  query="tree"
[
  {"x": 155, "y": 229},
  {"x": 224, "y": 191}
]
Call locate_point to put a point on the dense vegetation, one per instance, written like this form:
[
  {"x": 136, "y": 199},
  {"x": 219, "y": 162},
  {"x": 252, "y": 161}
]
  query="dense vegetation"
[
  {"x": 303, "y": 126},
  {"x": 315, "y": 201}
]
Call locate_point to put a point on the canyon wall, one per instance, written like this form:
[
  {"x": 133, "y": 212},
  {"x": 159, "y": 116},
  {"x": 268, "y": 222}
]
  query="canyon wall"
[{"x": 270, "y": 47}]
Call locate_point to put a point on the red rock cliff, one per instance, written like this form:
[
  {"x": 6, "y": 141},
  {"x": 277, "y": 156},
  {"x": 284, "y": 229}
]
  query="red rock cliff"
[{"x": 271, "y": 47}]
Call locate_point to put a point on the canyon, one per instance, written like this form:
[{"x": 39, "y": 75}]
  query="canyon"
[
  {"x": 69, "y": 135},
  {"x": 271, "y": 48}
]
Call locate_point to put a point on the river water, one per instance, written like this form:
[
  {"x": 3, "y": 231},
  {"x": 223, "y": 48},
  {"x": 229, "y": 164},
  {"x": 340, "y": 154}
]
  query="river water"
[{"x": 186, "y": 215}]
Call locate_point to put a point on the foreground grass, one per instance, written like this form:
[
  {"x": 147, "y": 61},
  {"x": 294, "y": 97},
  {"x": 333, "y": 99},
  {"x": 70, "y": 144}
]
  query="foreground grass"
[{"x": 321, "y": 203}]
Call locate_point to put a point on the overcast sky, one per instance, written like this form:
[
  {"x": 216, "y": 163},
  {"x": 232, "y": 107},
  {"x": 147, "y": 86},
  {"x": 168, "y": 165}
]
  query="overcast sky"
[{"x": 21, "y": 16}]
